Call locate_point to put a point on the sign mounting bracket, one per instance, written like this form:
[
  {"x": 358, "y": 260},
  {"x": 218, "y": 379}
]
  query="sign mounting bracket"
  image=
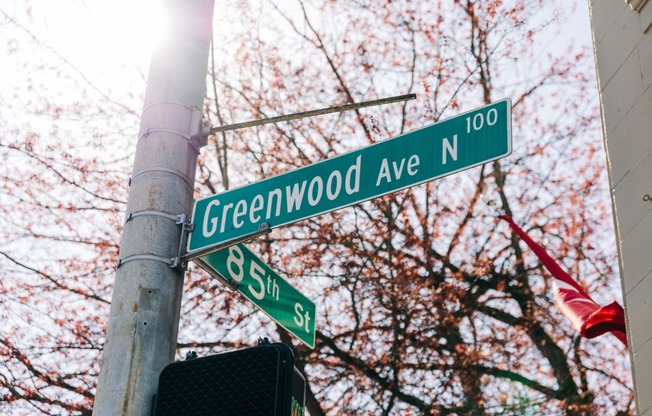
[{"x": 263, "y": 228}]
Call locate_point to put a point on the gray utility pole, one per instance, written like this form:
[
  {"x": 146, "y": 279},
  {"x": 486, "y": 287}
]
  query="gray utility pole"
[{"x": 144, "y": 318}]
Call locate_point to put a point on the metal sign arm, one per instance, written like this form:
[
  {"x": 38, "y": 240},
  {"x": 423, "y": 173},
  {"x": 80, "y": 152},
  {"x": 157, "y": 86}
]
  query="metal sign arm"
[{"x": 312, "y": 113}]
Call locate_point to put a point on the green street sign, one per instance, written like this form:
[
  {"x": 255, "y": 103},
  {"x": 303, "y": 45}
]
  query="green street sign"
[
  {"x": 238, "y": 267},
  {"x": 444, "y": 148}
]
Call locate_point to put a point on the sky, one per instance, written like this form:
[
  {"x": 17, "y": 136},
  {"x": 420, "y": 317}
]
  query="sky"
[
  {"x": 99, "y": 39},
  {"x": 110, "y": 42}
]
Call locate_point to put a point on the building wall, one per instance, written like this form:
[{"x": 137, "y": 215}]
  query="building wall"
[{"x": 622, "y": 38}]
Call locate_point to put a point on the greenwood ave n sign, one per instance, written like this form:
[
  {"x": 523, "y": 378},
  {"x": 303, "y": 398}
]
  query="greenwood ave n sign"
[{"x": 459, "y": 143}]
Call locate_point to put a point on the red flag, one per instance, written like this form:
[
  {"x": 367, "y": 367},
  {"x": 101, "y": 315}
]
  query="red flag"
[{"x": 587, "y": 317}]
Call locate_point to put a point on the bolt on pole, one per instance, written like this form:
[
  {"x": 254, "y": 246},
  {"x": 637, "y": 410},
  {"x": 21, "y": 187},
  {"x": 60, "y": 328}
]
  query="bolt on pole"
[{"x": 144, "y": 316}]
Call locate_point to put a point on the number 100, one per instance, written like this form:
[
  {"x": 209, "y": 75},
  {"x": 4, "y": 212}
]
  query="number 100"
[{"x": 477, "y": 121}]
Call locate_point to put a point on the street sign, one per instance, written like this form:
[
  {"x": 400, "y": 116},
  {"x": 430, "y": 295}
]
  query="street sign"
[
  {"x": 238, "y": 267},
  {"x": 444, "y": 148}
]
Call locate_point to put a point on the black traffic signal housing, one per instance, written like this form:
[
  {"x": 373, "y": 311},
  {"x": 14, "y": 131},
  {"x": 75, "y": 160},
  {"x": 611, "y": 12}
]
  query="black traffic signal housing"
[{"x": 257, "y": 381}]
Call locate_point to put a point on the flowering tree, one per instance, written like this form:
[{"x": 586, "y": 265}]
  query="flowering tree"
[{"x": 426, "y": 303}]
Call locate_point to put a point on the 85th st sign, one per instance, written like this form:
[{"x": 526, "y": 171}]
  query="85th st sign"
[
  {"x": 444, "y": 148},
  {"x": 242, "y": 270}
]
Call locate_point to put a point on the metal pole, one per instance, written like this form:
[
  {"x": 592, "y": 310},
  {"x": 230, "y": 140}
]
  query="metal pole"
[{"x": 144, "y": 317}]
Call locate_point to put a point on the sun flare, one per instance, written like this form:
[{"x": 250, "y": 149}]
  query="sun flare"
[{"x": 102, "y": 37}]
